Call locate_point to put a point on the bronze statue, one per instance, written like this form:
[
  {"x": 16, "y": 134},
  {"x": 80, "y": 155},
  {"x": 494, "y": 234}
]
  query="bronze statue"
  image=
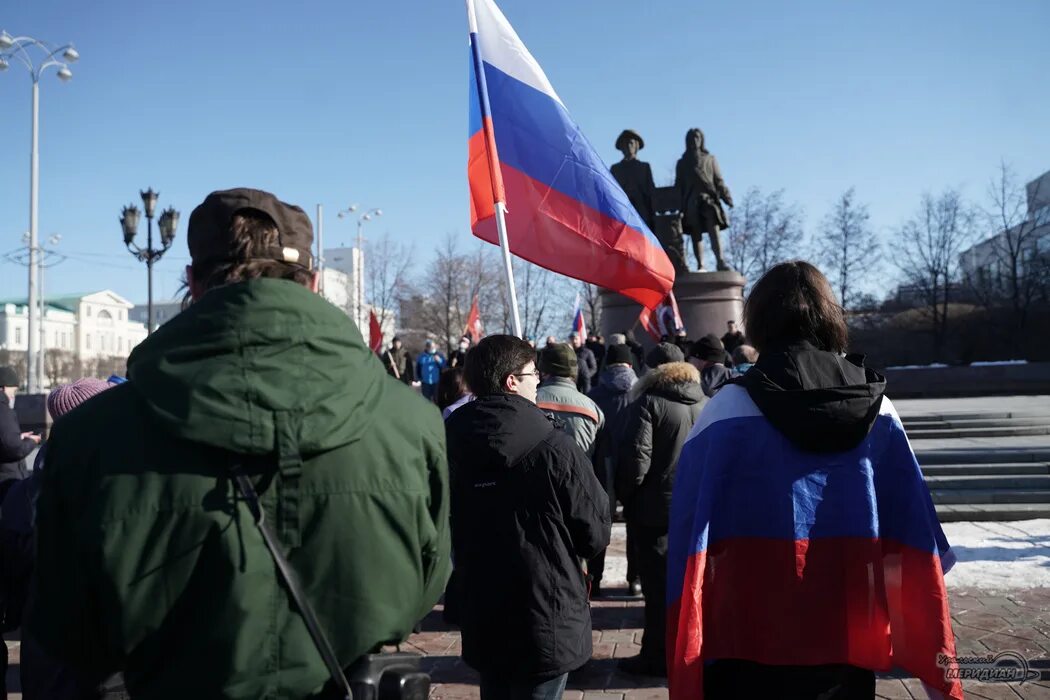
[
  {"x": 702, "y": 191},
  {"x": 634, "y": 176}
]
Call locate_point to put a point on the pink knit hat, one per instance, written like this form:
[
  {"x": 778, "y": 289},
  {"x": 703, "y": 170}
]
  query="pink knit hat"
[{"x": 66, "y": 397}]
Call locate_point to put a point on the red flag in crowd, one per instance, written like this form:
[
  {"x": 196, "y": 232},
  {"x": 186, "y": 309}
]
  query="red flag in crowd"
[
  {"x": 663, "y": 320},
  {"x": 474, "y": 329},
  {"x": 375, "y": 333}
]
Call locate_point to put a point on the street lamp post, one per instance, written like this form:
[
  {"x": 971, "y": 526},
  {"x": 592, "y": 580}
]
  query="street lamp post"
[
  {"x": 18, "y": 47},
  {"x": 41, "y": 357},
  {"x": 168, "y": 222},
  {"x": 359, "y": 267}
]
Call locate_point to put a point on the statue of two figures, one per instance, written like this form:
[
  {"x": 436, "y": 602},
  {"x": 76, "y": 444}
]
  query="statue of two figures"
[{"x": 692, "y": 206}]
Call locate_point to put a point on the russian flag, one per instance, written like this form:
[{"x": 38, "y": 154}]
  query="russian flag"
[
  {"x": 579, "y": 326},
  {"x": 566, "y": 212},
  {"x": 781, "y": 556}
]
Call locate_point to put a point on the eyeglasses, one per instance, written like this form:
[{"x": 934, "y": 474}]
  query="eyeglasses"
[{"x": 533, "y": 373}]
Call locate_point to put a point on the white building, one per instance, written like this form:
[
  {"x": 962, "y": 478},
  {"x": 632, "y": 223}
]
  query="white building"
[
  {"x": 347, "y": 289},
  {"x": 86, "y": 328},
  {"x": 986, "y": 264}
]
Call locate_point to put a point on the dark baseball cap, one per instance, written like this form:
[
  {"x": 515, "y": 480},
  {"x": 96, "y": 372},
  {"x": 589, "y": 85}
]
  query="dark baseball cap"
[{"x": 209, "y": 229}]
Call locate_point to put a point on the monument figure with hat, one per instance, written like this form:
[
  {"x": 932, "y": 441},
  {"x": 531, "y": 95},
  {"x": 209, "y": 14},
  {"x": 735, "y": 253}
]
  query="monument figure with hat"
[
  {"x": 702, "y": 190},
  {"x": 635, "y": 176}
]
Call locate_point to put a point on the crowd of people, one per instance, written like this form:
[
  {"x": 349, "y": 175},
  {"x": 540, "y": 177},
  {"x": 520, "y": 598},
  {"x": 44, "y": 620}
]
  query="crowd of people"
[{"x": 279, "y": 502}]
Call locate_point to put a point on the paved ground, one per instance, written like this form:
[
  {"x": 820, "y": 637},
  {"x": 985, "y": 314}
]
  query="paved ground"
[
  {"x": 972, "y": 404},
  {"x": 1019, "y": 621}
]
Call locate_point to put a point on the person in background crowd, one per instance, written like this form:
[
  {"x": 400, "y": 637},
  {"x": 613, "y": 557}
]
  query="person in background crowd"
[
  {"x": 526, "y": 508},
  {"x": 452, "y": 391},
  {"x": 15, "y": 445},
  {"x": 617, "y": 339},
  {"x": 846, "y": 573},
  {"x": 708, "y": 356},
  {"x": 398, "y": 362},
  {"x": 428, "y": 369},
  {"x": 681, "y": 339},
  {"x": 551, "y": 340},
  {"x": 665, "y": 404},
  {"x": 611, "y": 396},
  {"x": 744, "y": 358},
  {"x": 41, "y": 677},
  {"x": 586, "y": 363},
  {"x": 732, "y": 338},
  {"x": 576, "y": 414},
  {"x": 597, "y": 346},
  {"x": 460, "y": 353},
  {"x": 147, "y": 554},
  {"x": 637, "y": 352}
]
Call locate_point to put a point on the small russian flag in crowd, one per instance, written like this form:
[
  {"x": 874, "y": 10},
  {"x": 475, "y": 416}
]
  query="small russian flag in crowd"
[
  {"x": 663, "y": 320},
  {"x": 579, "y": 325},
  {"x": 565, "y": 211},
  {"x": 787, "y": 557}
]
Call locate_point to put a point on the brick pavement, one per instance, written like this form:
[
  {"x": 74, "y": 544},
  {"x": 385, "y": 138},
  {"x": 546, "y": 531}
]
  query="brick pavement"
[{"x": 984, "y": 623}]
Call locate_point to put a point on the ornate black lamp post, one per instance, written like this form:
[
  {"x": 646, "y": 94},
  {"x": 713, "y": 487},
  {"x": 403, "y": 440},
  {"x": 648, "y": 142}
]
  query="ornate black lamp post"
[{"x": 129, "y": 221}]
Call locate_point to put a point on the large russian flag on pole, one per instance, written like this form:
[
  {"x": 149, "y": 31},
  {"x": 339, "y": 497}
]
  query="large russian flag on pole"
[
  {"x": 781, "y": 556},
  {"x": 565, "y": 211}
]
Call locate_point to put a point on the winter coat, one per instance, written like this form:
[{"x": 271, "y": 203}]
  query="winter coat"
[
  {"x": 587, "y": 368},
  {"x": 612, "y": 396},
  {"x": 576, "y": 414},
  {"x": 429, "y": 366},
  {"x": 526, "y": 508},
  {"x": 665, "y": 404},
  {"x": 13, "y": 449},
  {"x": 401, "y": 361},
  {"x": 148, "y": 558},
  {"x": 713, "y": 378}
]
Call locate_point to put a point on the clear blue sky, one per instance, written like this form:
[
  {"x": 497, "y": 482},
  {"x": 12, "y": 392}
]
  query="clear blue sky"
[{"x": 338, "y": 102}]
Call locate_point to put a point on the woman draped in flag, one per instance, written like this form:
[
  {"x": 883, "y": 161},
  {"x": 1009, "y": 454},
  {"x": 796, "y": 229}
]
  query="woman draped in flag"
[{"x": 804, "y": 549}]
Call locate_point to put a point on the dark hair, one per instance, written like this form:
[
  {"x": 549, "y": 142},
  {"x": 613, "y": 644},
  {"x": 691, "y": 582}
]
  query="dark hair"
[
  {"x": 495, "y": 358},
  {"x": 451, "y": 387},
  {"x": 253, "y": 236},
  {"x": 794, "y": 301}
]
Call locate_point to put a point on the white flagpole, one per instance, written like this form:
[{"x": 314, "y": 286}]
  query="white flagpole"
[{"x": 497, "y": 185}]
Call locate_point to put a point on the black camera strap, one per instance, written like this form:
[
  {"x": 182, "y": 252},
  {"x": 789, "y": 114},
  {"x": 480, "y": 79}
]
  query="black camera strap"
[{"x": 313, "y": 626}]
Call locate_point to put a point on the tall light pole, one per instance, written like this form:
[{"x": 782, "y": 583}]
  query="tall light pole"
[
  {"x": 359, "y": 267},
  {"x": 129, "y": 223},
  {"x": 41, "y": 356},
  {"x": 18, "y": 47}
]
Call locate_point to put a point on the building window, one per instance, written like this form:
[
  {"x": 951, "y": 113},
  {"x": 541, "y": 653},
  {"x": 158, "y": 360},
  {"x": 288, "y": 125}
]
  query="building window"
[
  {"x": 87, "y": 340},
  {"x": 18, "y": 336},
  {"x": 87, "y": 310}
]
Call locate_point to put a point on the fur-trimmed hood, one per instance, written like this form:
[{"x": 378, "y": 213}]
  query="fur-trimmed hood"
[{"x": 677, "y": 381}]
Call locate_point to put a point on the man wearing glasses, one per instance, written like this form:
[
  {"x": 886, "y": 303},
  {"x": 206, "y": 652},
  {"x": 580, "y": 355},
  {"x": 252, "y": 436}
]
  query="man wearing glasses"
[{"x": 526, "y": 509}]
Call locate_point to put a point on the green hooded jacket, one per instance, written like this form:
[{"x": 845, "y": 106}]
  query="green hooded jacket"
[{"x": 149, "y": 561}]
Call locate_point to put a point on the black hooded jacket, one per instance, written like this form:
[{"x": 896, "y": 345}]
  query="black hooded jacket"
[
  {"x": 665, "y": 403},
  {"x": 821, "y": 401},
  {"x": 526, "y": 508}
]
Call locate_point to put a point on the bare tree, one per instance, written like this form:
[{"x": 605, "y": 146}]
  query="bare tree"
[
  {"x": 59, "y": 365},
  {"x": 387, "y": 275},
  {"x": 1022, "y": 274},
  {"x": 592, "y": 304},
  {"x": 929, "y": 256},
  {"x": 763, "y": 231},
  {"x": 847, "y": 247}
]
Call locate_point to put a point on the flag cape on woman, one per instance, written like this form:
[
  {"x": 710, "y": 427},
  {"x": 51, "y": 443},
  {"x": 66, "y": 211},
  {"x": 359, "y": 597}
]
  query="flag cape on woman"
[{"x": 786, "y": 557}]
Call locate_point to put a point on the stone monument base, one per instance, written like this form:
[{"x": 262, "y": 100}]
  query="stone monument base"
[{"x": 706, "y": 300}]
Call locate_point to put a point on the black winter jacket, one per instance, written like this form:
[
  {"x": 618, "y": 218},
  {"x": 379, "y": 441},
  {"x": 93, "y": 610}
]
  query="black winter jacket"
[
  {"x": 666, "y": 402},
  {"x": 526, "y": 507},
  {"x": 586, "y": 368},
  {"x": 13, "y": 448},
  {"x": 612, "y": 396}
]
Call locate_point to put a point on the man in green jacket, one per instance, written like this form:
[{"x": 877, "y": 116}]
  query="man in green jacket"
[{"x": 148, "y": 559}]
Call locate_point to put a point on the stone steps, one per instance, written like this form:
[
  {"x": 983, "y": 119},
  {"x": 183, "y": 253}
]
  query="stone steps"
[
  {"x": 989, "y": 469},
  {"x": 985, "y": 483},
  {"x": 992, "y": 511}
]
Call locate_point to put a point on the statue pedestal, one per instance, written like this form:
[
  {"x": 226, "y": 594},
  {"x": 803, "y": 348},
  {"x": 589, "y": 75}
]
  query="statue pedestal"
[{"x": 706, "y": 301}]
